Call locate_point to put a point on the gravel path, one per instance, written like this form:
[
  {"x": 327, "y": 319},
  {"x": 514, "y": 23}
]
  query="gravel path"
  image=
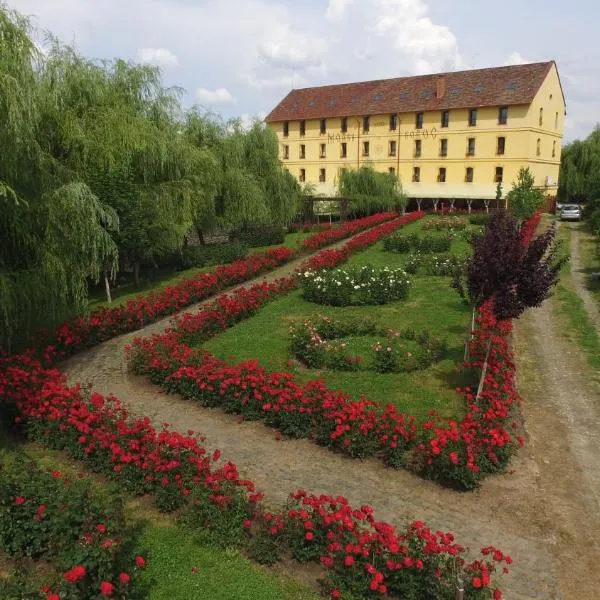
[{"x": 544, "y": 512}]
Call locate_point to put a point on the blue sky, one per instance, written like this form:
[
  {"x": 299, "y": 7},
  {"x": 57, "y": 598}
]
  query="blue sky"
[{"x": 240, "y": 57}]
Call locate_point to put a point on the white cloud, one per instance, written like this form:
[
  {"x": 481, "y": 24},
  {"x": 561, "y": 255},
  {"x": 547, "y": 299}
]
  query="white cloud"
[
  {"x": 515, "y": 59},
  {"x": 289, "y": 49},
  {"x": 336, "y": 9},
  {"x": 161, "y": 57},
  {"x": 217, "y": 96},
  {"x": 282, "y": 81}
]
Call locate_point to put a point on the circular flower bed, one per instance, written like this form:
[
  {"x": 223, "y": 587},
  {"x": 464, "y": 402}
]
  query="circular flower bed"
[
  {"x": 355, "y": 286},
  {"x": 353, "y": 345}
]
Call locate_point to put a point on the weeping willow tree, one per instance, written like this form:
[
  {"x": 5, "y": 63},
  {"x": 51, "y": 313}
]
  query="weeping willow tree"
[
  {"x": 580, "y": 169},
  {"x": 370, "y": 191},
  {"x": 116, "y": 127},
  {"x": 55, "y": 232},
  {"x": 251, "y": 185}
]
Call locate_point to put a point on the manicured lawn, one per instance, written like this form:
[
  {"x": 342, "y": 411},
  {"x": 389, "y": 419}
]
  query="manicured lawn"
[
  {"x": 178, "y": 566},
  {"x": 167, "y": 276},
  {"x": 431, "y": 304}
]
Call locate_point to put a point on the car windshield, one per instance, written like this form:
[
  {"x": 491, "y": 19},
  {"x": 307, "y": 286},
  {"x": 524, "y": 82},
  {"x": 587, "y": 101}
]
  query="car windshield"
[{"x": 570, "y": 207}]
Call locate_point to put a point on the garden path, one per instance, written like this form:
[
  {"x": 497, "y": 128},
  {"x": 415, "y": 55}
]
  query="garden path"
[{"x": 541, "y": 512}]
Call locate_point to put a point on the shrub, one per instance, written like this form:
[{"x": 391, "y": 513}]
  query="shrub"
[
  {"x": 444, "y": 265},
  {"x": 213, "y": 254},
  {"x": 355, "y": 286},
  {"x": 401, "y": 243},
  {"x": 447, "y": 223},
  {"x": 255, "y": 236},
  {"x": 479, "y": 219},
  {"x": 53, "y": 517}
]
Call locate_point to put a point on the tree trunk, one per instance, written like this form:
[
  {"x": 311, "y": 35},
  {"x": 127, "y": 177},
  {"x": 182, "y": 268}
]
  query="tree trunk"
[
  {"x": 136, "y": 273},
  {"x": 107, "y": 287}
]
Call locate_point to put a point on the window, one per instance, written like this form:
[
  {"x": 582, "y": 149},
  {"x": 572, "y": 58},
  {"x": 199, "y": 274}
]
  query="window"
[
  {"x": 503, "y": 115},
  {"x": 541, "y": 119},
  {"x": 473, "y": 117},
  {"x": 286, "y": 129},
  {"x": 393, "y": 146},
  {"x": 469, "y": 175},
  {"x": 471, "y": 147},
  {"x": 501, "y": 146},
  {"x": 344, "y": 124},
  {"x": 538, "y": 147},
  {"x": 442, "y": 175},
  {"x": 321, "y": 175},
  {"x": 393, "y": 122},
  {"x": 302, "y": 150},
  {"x": 366, "y": 124},
  {"x": 445, "y": 118},
  {"x": 322, "y": 150},
  {"x": 344, "y": 150},
  {"x": 417, "y": 148},
  {"x": 416, "y": 174},
  {"x": 302, "y": 127},
  {"x": 391, "y": 170},
  {"x": 553, "y": 148},
  {"x": 444, "y": 147},
  {"x": 323, "y": 126},
  {"x": 365, "y": 148},
  {"x": 286, "y": 151},
  {"x": 556, "y": 121},
  {"x": 302, "y": 175},
  {"x": 419, "y": 121},
  {"x": 499, "y": 175}
]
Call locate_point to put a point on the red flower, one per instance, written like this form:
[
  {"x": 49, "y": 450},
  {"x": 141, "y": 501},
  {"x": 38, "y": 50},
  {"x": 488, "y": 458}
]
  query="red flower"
[
  {"x": 336, "y": 594},
  {"x": 101, "y": 528},
  {"x": 124, "y": 578},
  {"x": 309, "y": 535},
  {"x": 477, "y": 582},
  {"x": 140, "y": 562},
  {"x": 52, "y": 596},
  {"x": 107, "y": 588},
  {"x": 75, "y": 574},
  {"x": 19, "y": 500}
]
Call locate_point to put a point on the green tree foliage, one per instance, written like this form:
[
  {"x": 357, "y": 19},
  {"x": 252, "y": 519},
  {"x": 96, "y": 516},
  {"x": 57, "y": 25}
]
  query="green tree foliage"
[
  {"x": 54, "y": 230},
  {"x": 524, "y": 198},
  {"x": 371, "y": 191},
  {"x": 101, "y": 166},
  {"x": 251, "y": 185},
  {"x": 580, "y": 169}
]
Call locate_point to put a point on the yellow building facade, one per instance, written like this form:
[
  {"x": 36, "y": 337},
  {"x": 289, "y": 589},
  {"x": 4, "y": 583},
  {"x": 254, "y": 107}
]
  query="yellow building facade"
[{"x": 464, "y": 132}]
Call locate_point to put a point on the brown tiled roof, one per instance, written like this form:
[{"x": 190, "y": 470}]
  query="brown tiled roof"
[{"x": 499, "y": 86}]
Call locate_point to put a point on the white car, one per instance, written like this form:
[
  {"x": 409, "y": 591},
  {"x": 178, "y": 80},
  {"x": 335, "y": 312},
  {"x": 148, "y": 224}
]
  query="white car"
[{"x": 570, "y": 212}]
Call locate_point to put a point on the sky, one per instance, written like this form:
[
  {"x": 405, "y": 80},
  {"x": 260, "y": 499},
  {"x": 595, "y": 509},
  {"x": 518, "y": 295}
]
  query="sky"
[{"x": 241, "y": 57}]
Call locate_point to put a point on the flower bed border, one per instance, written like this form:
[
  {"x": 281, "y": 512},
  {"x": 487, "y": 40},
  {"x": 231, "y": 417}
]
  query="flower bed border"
[
  {"x": 178, "y": 472},
  {"x": 454, "y": 452},
  {"x": 105, "y": 323}
]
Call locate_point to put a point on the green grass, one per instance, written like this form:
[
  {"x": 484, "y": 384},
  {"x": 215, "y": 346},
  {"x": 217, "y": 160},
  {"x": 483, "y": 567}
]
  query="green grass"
[
  {"x": 590, "y": 256},
  {"x": 171, "y": 551},
  {"x": 431, "y": 304},
  {"x": 573, "y": 319},
  {"x": 161, "y": 278}
]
